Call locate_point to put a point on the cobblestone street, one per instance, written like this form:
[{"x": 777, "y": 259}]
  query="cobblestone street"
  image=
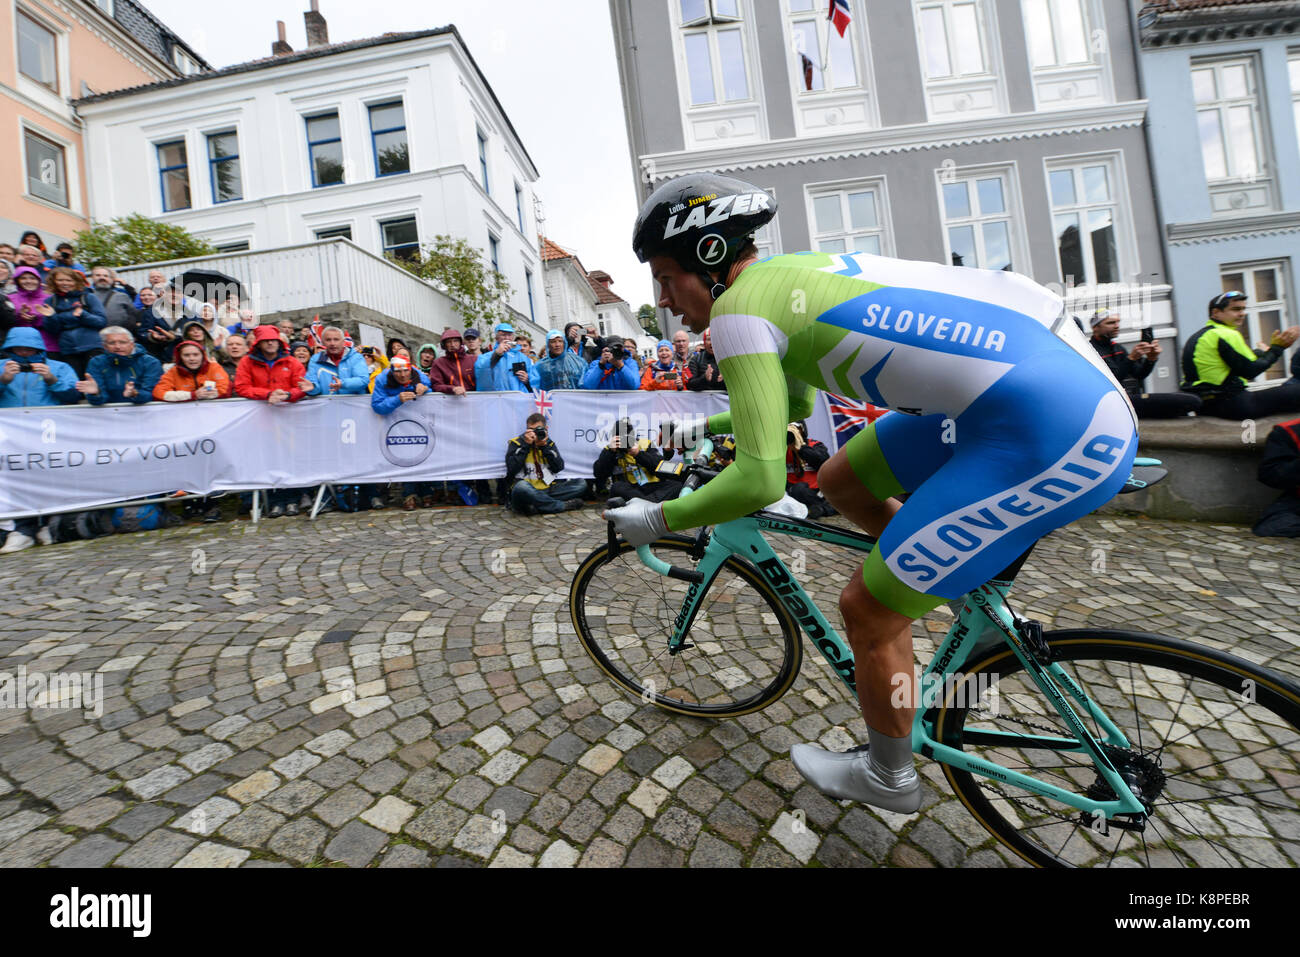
[{"x": 405, "y": 689}]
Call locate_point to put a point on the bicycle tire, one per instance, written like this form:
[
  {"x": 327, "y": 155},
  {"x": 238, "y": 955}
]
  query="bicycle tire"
[
  {"x": 737, "y": 665},
  {"x": 1197, "y": 815}
]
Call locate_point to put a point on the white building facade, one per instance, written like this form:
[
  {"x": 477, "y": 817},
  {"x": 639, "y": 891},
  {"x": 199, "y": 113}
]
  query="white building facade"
[
  {"x": 575, "y": 295},
  {"x": 386, "y": 142}
]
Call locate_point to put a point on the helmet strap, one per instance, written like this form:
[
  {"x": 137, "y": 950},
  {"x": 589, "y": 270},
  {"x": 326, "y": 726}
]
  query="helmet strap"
[{"x": 717, "y": 290}]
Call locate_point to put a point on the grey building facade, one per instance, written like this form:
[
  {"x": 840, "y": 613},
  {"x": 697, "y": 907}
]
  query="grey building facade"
[{"x": 993, "y": 133}]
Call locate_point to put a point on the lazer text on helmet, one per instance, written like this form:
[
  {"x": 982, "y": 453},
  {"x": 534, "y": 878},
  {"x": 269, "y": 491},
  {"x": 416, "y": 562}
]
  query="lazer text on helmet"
[{"x": 720, "y": 209}]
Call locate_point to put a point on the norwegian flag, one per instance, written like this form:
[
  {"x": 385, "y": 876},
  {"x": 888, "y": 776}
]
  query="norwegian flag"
[
  {"x": 839, "y": 15},
  {"x": 850, "y": 416},
  {"x": 317, "y": 327},
  {"x": 544, "y": 403}
]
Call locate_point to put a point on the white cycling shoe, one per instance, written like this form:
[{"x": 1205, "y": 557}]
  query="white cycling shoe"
[{"x": 850, "y": 775}]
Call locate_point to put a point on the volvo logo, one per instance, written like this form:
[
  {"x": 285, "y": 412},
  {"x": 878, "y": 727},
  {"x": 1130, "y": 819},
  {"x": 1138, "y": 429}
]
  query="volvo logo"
[{"x": 407, "y": 443}]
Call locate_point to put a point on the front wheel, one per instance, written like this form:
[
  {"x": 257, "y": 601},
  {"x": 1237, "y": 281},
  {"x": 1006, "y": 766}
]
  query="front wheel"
[
  {"x": 1214, "y": 754},
  {"x": 744, "y": 646}
]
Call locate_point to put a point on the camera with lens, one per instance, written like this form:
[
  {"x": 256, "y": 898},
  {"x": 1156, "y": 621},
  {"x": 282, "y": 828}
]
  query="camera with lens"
[
  {"x": 617, "y": 351},
  {"x": 539, "y": 432},
  {"x": 24, "y": 367}
]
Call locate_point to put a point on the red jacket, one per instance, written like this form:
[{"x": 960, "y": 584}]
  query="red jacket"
[
  {"x": 255, "y": 378},
  {"x": 451, "y": 371}
]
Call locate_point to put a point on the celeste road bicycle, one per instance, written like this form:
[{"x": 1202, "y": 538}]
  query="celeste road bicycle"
[{"x": 1080, "y": 747}]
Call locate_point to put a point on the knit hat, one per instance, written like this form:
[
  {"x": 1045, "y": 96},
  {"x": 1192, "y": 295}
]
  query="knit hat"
[
  {"x": 663, "y": 344},
  {"x": 399, "y": 362}
]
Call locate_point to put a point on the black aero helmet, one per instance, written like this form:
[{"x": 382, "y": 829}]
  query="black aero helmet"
[{"x": 701, "y": 220}]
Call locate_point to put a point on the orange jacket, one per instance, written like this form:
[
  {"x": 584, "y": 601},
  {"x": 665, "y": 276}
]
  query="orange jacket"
[
  {"x": 255, "y": 378},
  {"x": 650, "y": 384},
  {"x": 179, "y": 379}
]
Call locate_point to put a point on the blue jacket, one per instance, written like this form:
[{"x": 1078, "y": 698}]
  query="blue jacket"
[
  {"x": 28, "y": 388},
  {"x": 499, "y": 377},
  {"x": 351, "y": 370},
  {"x": 76, "y": 333},
  {"x": 112, "y": 373},
  {"x": 599, "y": 377},
  {"x": 386, "y": 398},
  {"x": 564, "y": 371}
]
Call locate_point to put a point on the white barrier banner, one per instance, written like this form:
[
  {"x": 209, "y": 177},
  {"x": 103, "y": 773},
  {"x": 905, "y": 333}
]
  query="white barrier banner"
[{"x": 64, "y": 458}]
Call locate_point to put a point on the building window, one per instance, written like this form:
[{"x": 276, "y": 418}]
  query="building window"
[
  {"x": 36, "y": 52},
  {"x": 105, "y": 5},
  {"x": 239, "y": 247},
  {"x": 223, "y": 158},
  {"x": 979, "y": 225},
  {"x": 1293, "y": 64},
  {"x": 185, "y": 63},
  {"x": 849, "y": 220},
  {"x": 715, "y": 51},
  {"x": 519, "y": 207},
  {"x": 494, "y": 252},
  {"x": 953, "y": 39},
  {"x": 826, "y": 59},
  {"x": 388, "y": 139},
  {"x": 335, "y": 232},
  {"x": 482, "y": 162},
  {"x": 174, "y": 172},
  {"x": 1266, "y": 312},
  {"x": 325, "y": 145},
  {"x": 401, "y": 239},
  {"x": 528, "y": 284},
  {"x": 47, "y": 176},
  {"x": 1227, "y": 113},
  {"x": 1086, "y": 218},
  {"x": 1058, "y": 32}
]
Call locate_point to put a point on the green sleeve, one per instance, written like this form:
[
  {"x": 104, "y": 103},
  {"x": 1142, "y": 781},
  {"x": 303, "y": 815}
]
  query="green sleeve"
[
  {"x": 761, "y": 405},
  {"x": 802, "y": 399}
]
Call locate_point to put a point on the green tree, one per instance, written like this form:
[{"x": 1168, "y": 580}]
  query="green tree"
[
  {"x": 649, "y": 320},
  {"x": 477, "y": 291},
  {"x": 136, "y": 239}
]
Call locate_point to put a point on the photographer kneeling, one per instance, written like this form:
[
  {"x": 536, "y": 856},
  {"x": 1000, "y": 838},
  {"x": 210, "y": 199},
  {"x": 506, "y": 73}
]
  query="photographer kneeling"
[
  {"x": 532, "y": 465},
  {"x": 638, "y": 470}
]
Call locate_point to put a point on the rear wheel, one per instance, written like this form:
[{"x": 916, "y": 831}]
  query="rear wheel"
[
  {"x": 1214, "y": 754},
  {"x": 745, "y": 650}
]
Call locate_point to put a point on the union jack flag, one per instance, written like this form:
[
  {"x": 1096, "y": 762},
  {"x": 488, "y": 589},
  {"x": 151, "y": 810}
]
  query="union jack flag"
[
  {"x": 544, "y": 403},
  {"x": 850, "y": 416},
  {"x": 317, "y": 327},
  {"x": 839, "y": 15}
]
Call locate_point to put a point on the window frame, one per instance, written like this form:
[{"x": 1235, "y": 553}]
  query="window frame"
[
  {"x": 843, "y": 188},
  {"x": 1126, "y": 253},
  {"x": 986, "y": 45},
  {"x": 1293, "y": 74},
  {"x": 1012, "y": 215},
  {"x": 337, "y": 230},
  {"x": 519, "y": 208},
  {"x": 710, "y": 27},
  {"x": 1088, "y": 9},
  {"x": 159, "y": 146},
  {"x": 792, "y": 19},
  {"x": 62, "y": 150},
  {"x": 1221, "y": 105},
  {"x": 374, "y": 133},
  {"x": 494, "y": 251},
  {"x": 485, "y": 179},
  {"x": 37, "y": 22},
  {"x": 213, "y": 163},
  {"x": 528, "y": 285},
  {"x": 1279, "y": 372},
  {"x": 384, "y": 247},
  {"x": 311, "y": 144}
]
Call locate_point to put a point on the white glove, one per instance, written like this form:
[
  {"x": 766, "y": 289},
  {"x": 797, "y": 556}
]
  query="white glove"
[
  {"x": 639, "y": 522},
  {"x": 684, "y": 432}
]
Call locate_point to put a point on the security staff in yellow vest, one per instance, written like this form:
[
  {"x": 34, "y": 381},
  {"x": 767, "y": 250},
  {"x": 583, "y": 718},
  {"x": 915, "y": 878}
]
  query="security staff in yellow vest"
[
  {"x": 1217, "y": 365},
  {"x": 637, "y": 468}
]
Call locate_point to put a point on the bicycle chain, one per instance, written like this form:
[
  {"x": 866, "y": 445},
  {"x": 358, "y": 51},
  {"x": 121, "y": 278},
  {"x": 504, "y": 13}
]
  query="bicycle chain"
[{"x": 1021, "y": 801}]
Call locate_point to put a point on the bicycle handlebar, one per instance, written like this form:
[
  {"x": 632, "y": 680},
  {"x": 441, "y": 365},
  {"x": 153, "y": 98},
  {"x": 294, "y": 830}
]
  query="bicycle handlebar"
[{"x": 648, "y": 558}]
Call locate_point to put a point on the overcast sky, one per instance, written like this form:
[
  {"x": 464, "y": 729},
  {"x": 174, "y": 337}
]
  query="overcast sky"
[{"x": 551, "y": 64}]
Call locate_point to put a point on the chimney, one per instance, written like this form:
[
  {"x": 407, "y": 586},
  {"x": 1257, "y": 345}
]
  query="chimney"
[
  {"x": 318, "y": 34},
  {"x": 601, "y": 277},
  {"x": 281, "y": 46}
]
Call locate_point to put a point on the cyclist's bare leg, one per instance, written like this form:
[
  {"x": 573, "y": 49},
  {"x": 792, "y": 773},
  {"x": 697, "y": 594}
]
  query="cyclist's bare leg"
[
  {"x": 881, "y": 640},
  {"x": 844, "y": 490}
]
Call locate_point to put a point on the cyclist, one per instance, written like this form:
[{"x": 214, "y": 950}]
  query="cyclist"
[{"x": 1007, "y": 425}]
